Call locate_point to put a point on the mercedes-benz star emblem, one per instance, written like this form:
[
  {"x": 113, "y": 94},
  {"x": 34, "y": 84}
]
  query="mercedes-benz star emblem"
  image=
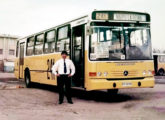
[{"x": 125, "y": 73}]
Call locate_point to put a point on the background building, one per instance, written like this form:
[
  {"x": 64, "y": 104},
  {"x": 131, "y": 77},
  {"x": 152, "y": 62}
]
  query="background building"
[{"x": 7, "y": 52}]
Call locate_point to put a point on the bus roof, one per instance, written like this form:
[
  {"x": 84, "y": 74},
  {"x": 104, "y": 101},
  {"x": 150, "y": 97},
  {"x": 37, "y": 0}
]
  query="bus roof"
[
  {"x": 54, "y": 27},
  {"x": 107, "y": 14}
]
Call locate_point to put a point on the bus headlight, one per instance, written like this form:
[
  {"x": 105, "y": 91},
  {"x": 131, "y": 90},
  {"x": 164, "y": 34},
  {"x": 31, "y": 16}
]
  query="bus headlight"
[
  {"x": 144, "y": 72},
  {"x": 149, "y": 72},
  {"x": 105, "y": 73},
  {"x": 99, "y": 73}
]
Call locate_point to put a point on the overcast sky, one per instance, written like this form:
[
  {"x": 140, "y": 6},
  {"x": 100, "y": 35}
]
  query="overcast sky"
[{"x": 24, "y": 17}]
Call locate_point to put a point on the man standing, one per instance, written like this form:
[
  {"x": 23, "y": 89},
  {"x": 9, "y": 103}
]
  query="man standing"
[{"x": 64, "y": 69}]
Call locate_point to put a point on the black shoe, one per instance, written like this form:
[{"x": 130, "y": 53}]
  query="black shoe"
[
  {"x": 70, "y": 102},
  {"x": 60, "y": 102}
]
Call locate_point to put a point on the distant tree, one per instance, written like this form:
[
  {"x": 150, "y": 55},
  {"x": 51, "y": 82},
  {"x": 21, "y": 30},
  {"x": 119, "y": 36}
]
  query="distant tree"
[{"x": 155, "y": 50}]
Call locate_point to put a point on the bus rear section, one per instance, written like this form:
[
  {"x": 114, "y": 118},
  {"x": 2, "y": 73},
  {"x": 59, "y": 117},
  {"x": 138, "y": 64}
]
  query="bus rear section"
[{"x": 159, "y": 64}]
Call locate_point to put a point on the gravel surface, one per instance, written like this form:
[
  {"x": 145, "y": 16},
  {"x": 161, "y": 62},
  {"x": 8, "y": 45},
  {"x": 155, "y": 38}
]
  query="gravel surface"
[{"x": 42, "y": 104}]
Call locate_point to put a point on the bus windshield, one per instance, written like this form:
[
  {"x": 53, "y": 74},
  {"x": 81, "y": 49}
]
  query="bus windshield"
[{"x": 120, "y": 43}]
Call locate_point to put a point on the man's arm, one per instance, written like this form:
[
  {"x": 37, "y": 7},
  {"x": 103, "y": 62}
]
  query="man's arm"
[
  {"x": 55, "y": 68},
  {"x": 72, "y": 68}
]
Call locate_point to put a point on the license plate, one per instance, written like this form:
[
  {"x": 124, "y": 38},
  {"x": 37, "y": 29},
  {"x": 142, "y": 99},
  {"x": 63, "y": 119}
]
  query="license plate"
[{"x": 126, "y": 84}]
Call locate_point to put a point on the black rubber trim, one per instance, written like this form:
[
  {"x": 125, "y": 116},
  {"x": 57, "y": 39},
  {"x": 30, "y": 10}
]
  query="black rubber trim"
[
  {"x": 41, "y": 70},
  {"x": 139, "y": 78}
]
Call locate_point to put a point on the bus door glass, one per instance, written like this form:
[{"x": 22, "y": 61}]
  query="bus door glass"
[
  {"x": 21, "y": 60},
  {"x": 78, "y": 54},
  {"x": 156, "y": 63}
]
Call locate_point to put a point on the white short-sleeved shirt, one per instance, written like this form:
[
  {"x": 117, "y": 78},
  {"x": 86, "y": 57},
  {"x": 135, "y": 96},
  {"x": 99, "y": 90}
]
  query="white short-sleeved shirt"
[{"x": 59, "y": 67}]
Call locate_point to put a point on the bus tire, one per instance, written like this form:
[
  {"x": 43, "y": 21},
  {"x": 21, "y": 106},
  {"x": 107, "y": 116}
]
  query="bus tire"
[
  {"x": 28, "y": 79},
  {"x": 161, "y": 72},
  {"x": 112, "y": 92}
]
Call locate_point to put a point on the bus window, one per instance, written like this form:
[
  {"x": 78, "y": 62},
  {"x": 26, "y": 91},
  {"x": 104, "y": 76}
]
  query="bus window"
[
  {"x": 17, "y": 49},
  {"x": 30, "y": 46},
  {"x": 49, "y": 42},
  {"x": 63, "y": 39},
  {"x": 39, "y": 44},
  {"x": 139, "y": 37},
  {"x": 107, "y": 43},
  {"x": 162, "y": 59}
]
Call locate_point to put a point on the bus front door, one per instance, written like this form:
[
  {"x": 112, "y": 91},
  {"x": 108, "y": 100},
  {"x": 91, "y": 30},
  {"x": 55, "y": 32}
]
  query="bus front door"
[
  {"x": 21, "y": 60},
  {"x": 77, "y": 55},
  {"x": 156, "y": 64}
]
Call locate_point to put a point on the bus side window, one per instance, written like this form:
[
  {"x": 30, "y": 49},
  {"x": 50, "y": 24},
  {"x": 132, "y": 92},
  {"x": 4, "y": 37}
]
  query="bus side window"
[
  {"x": 30, "y": 46},
  {"x": 49, "y": 46},
  {"x": 63, "y": 39},
  {"x": 17, "y": 49},
  {"x": 162, "y": 58},
  {"x": 39, "y": 44}
]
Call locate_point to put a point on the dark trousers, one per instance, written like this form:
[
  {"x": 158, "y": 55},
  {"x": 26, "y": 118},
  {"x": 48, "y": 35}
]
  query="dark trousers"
[{"x": 61, "y": 81}]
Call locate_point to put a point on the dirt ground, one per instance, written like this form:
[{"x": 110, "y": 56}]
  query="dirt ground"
[{"x": 41, "y": 103}]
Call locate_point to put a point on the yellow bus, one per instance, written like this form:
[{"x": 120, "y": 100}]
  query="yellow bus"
[
  {"x": 110, "y": 49},
  {"x": 159, "y": 63}
]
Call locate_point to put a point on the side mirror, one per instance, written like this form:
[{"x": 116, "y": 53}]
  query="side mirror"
[{"x": 89, "y": 30}]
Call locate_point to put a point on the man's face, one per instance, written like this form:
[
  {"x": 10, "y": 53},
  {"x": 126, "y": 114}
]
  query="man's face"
[{"x": 64, "y": 56}]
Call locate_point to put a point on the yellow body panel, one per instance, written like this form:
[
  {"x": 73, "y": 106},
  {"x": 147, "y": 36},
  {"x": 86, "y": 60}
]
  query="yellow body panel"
[
  {"x": 41, "y": 65},
  {"x": 16, "y": 68},
  {"x": 40, "y": 68},
  {"x": 115, "y": 71},
  {"x": 98, "y": 84}
]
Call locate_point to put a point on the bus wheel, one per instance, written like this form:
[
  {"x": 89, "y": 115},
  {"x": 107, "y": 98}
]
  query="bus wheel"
[
  {"x": 112, "y": 91},
  {"x": 161, "y": 72},
  {"x": 27, "y": 80}
]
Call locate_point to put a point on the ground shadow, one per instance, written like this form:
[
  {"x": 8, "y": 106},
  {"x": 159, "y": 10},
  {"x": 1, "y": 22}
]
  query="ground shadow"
[{"x": 99, "y": 96}]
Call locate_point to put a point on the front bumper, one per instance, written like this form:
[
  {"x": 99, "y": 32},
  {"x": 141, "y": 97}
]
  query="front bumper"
[{"x": 101, "y": 84}]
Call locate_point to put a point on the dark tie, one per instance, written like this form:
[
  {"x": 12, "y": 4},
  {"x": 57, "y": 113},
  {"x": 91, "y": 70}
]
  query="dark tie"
[{"x": 65, "y": 67}]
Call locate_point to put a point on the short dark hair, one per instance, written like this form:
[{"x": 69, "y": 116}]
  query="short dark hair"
[{"x": 64, "y": 52}]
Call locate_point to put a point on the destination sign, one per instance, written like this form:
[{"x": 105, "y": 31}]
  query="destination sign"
[
  {"x": 121, "y": 16},
  {"x": 130, "y": 17},
  {"x": 102, "y": 16}
]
